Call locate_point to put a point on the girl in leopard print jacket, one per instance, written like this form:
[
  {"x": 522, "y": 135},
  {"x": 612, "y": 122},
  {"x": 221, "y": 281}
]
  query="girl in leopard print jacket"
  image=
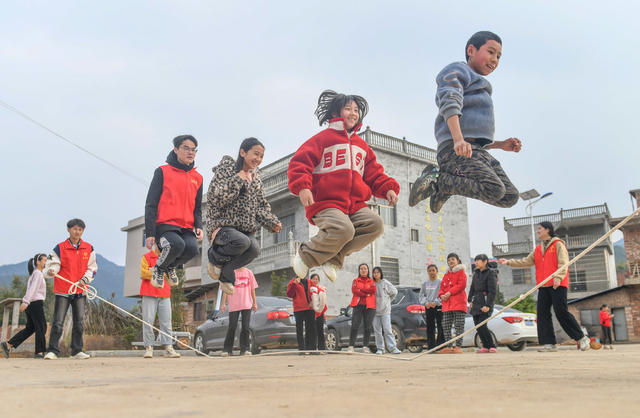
[{"x": 236, "y": 207}]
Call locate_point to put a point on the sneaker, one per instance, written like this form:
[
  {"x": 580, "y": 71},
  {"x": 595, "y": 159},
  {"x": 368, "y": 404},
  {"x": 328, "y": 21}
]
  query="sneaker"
[
  {"x": 585, "y": 343},
  {"x": 396, "y": 351},
  {"x": 224, "y": 354},
  {"x": 81, "y": 356},
  {"x": 170, "y": 352},
  {"x": 330, "y": 270},
  {"x": 548, "y": 348},
  {"x": 456, "y": 350},
  {"x": 5, "y": 349},
  {"x": 482, "y": 350},
  {"x": 38, "y": 355},
  {"x": 299, "y": 267},
  {"x": 366, "y": 350},
  {"x": 610, "y": 347},
  {"x": 493, "y": 350},
  {"x": 379, "y": 351},
  {"x": 350, "y": 349},
  {"x": 246, "y": 353},
  {"x": 424, "y": 186},
  {"x": 214, "y": 271},
  {"x": 172, "y": 277},
  {"x": 227, "y": 288},
  {"x": 50, "y": 356},
  {"x": 438, "y": 200},
  {"x": 446, "y": 350},
  {"x": 157, "y": 278},
  {"x": 148, "y": 352}
]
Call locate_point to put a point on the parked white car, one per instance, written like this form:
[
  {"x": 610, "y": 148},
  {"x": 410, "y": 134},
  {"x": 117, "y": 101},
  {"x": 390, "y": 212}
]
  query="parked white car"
[{"x": 511, "y": 328}]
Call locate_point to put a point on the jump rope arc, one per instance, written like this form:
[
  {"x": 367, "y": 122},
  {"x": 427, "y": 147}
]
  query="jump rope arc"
[{"x": 92, "y": 293}]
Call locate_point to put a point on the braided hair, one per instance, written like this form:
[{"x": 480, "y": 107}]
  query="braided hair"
[{"x": 331, "y": 103}]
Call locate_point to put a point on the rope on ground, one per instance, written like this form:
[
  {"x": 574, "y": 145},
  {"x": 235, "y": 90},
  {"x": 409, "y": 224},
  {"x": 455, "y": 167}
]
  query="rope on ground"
[
  {"x": 93, "y": 294},
  {"x": 542, "y": 283}
]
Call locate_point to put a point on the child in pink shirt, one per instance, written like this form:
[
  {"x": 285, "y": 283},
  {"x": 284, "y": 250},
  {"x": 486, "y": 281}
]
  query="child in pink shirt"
[{"x": 241, "y": 302}]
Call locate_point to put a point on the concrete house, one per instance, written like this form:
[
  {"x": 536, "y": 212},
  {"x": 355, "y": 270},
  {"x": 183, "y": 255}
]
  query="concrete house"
[{"x": 413, "y": 237}]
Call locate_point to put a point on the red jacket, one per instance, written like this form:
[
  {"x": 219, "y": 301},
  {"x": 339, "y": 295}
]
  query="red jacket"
[
  {"x": 299, "y": 293},
  {"x": 364, "y": 292},
  {"x": 340, "y": 170},
  {"x": 146, "y": 288},
  {"x": 178, "y": 199},
  {"x": 605, "y": 318},
  {"x": 454, "y": 281},
  {"x": 547, "y": 263},
  {"x": 74, "y": 264}
]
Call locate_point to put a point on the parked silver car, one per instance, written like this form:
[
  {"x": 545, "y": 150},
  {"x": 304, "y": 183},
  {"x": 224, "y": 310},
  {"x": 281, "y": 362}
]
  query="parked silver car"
[{"x": 511, "y": 328}]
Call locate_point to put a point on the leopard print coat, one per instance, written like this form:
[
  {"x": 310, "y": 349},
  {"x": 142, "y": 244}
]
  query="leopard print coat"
[{"x": 237, "y": 203}]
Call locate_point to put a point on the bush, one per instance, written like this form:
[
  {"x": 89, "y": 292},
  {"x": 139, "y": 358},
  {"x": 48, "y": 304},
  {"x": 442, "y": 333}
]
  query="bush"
[{"x": 527, "y": 304}]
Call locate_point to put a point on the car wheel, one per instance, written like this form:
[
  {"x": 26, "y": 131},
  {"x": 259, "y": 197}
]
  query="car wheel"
[
  {"x": 478, "y": 342},
  {"x": 414, "y": 348},
  {"x": 253, "y": 347},
  {"x": 198, "y": 344},
  {"x": 332, "y": 340},
  {"x": 398, "y": 335},
  {"x": 518, "y": 346}
]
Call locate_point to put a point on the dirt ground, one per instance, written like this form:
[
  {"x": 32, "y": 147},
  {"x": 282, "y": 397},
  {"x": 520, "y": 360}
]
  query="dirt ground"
[{"x": 525, "y": 384}]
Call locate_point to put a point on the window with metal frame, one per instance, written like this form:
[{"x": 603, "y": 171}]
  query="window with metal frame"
[
  {"x": 390, "y": 269},
  {"x": 288, "y": 224}
]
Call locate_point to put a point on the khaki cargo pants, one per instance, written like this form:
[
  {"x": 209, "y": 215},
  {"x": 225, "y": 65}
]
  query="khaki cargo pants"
[{"x": 340, "y": 235}]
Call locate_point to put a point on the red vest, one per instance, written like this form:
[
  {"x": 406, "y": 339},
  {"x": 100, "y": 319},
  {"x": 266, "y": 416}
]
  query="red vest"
[
  {"x": 146, "y": 288},
  {"x": 73, "y": 264},
  {"x": 178, "y": 199},
  {"x": 363, "y": 283},
  {"x": 547, "y": 264}
]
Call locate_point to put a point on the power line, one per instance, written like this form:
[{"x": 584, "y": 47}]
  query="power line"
[{"x": 81, "y": 148}]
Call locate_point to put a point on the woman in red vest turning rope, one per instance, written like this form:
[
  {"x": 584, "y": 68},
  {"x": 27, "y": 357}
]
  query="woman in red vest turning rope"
[{"x": 547, "y": 257}]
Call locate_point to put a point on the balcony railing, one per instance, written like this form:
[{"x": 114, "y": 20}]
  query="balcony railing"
[
  {"x": 586, "y": 212},
  {"x": 389, "y": 143},
  {"x": 524, "y": 247},
  {"x": 275, "y": 183},
  {"x": 275, "y": 167},
  {"x": 280, "y": 250}
]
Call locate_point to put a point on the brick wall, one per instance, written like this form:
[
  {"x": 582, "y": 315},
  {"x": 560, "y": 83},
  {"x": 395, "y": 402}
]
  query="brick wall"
[{"x": 212, "y": 295}]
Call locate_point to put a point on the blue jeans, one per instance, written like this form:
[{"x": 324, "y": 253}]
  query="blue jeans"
[
  {"x": 383, "y": 332},
  {"x": 60, "y": 308}
]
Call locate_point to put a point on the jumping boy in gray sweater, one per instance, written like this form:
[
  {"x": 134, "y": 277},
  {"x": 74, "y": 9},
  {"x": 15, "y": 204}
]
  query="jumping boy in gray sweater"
[{"x": 464, "y": 131}]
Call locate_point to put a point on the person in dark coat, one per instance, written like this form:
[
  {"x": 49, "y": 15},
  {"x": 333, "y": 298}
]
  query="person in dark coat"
[{"x": 482, "y": 296}]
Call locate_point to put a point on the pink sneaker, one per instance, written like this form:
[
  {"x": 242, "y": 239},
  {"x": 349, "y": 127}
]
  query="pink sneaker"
[
  {"x": 482, "y": 351},
  {"x": 493, "y": 350}
]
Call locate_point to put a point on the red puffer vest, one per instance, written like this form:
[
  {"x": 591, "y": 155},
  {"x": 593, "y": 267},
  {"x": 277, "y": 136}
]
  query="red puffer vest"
[{"x": 547, "y": 263}]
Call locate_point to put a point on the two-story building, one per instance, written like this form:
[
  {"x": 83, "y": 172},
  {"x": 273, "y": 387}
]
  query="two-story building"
[
  {"x": 413, "y": 237},
  {"x": 578, "y": 228}
]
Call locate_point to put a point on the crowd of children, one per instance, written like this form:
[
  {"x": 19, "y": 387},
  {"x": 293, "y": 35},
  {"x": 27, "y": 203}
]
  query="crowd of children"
[{"x": 334, "y": 174}]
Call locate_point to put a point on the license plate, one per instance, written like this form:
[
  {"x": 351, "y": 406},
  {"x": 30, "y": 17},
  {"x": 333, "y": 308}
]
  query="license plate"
[{"x": 528, "y": 322}]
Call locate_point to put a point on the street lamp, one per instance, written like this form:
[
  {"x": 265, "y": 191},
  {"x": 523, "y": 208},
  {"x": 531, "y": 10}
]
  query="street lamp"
[{"x": 529, "y": 195}]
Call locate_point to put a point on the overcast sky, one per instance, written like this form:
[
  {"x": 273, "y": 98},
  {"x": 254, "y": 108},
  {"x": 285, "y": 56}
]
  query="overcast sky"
[{"x": 123, "y": 78}]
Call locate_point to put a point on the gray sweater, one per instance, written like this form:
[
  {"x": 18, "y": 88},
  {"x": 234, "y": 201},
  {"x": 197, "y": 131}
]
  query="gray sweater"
[
  {"x": 463, "y": 92},
  {"x": 385, "y": 292},
  {"x": 429, "y": 292}
]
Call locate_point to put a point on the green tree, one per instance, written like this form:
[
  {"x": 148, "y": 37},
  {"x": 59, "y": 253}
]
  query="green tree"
[
  {"x": 499, "y": 297},
  {"x": 279, "y": 283},
  {"x": 527, "y": 304}
]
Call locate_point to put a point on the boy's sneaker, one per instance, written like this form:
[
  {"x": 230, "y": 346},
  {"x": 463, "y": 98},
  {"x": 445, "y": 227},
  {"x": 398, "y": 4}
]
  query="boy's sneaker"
[
  {"x": 424, "y": 186},
  {"x": 81, "y": 356},
  {"x": 172, "y": 277},
  {"x": 299, "y": 267},
  {"x": 227, "y": 288},
  {"x": 5, "y": 349},
  {"x": 50, "y": 356},
  {"x": 148, "y": 352},
  {"x": 379, "y": 351},
  {"x": 438, "y": 200},
  {"x": 224, "y": 354},
  {"x": 585, "y": 343},
  {"x": 170, "y": 352},
  {"x": 157, "y": 278},
  {"x": 548, "y": 348},
  {"x": 246, "y": 353},
  {"x": 350, "y": 349},
  {"x": 38, "y": 355},
  {"x": 330, "y": 270},
  {"x": 396, "y": 350},
  {"x": 214, "y": 271}
]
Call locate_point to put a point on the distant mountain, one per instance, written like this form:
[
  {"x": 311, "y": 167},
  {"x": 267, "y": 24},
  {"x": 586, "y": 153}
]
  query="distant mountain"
[
  {"x": 109, "y": 279},
  {"x": 618, "y": 250}
]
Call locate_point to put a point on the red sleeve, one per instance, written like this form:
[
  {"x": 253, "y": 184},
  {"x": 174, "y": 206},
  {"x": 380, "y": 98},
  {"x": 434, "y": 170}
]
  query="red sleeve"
[
  {"x": 443, "y": 288},
  {"x": 370, "y": 289},
  {"x": 291, "y": 289},
  {"x": 306, "y": 158},
  {"x": 376, "y": 179},
  {"x": 460, "y": 285},
  {"x": 356, "y": 290}
]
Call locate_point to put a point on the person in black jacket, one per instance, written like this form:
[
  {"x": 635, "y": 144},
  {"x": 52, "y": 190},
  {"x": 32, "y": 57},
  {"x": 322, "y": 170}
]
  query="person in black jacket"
[{"x": 482, "y": 295}]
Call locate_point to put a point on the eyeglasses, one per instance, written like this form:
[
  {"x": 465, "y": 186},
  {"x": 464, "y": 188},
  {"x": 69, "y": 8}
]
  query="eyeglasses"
[{"x": 189, "y": 149}]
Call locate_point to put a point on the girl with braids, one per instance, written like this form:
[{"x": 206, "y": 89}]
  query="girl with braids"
[
  {"x": 236, "y": 208},
  {"x": 334, "y": 174},
  {"x": 33, "y": 305}
]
